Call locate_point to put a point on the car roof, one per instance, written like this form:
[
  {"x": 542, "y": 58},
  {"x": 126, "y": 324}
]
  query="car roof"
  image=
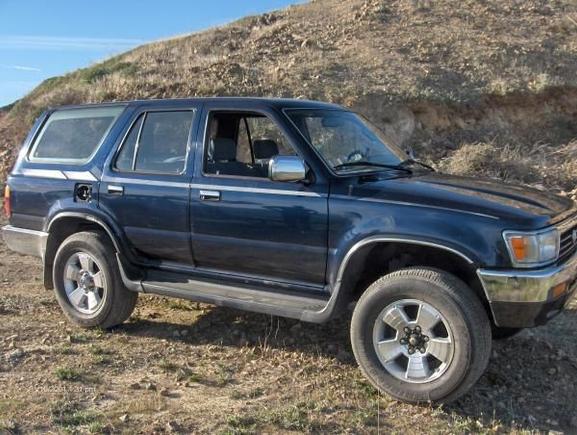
[{"x": 243, "y": 102}]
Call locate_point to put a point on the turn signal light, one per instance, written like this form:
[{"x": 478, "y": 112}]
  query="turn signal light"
[
  {"x": 559, "y": 289},
  {"x": 519, "y": 248},
  {"x": 7, "y": 204}
]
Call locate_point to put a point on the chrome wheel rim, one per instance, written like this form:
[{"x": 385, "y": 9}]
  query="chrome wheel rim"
[
  {"x": 413, "y": 341},
  {"x": 84, "y": 283}
]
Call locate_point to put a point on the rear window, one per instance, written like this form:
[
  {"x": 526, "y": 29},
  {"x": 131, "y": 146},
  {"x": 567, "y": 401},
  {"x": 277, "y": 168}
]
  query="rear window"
[{"x": 74, "y": 135}]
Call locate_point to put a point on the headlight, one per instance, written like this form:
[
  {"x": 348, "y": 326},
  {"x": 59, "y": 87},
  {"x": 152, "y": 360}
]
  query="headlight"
[{"x": 529, "y": 249}]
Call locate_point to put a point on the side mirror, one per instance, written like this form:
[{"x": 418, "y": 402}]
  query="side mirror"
[{"x": 286, "y": 168}]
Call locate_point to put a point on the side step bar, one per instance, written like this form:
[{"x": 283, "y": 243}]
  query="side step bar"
[{"x": 297, "y": 306}]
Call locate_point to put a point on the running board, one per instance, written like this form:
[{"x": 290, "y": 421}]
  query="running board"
[{"x": 315, "y": 309}]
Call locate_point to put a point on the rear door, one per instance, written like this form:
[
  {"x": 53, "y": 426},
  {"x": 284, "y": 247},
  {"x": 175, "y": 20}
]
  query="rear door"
[{"x": 145, "y": 183}]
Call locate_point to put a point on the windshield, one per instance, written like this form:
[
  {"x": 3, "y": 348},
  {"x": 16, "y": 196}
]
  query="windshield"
[{"x": 346, "y": 141}]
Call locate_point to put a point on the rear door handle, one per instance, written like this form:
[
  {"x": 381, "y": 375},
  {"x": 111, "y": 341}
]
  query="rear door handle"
[
  {"x": 115, "y": 190},
  {"x": 209, "y": 195}
]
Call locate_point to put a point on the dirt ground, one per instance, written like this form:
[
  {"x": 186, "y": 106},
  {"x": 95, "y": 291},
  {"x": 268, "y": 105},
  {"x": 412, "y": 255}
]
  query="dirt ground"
[{"x": 177, "y": 366}]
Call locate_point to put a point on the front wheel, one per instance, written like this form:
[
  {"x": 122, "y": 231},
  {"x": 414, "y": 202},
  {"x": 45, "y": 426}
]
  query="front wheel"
[
  {"x": 421, "y": 335},
  {"x": 87, "y": 282}
]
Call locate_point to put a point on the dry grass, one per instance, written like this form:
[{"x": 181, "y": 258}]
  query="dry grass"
[
  {"x": 438, "y": 75},
  {"x": 508, "y": 164}
]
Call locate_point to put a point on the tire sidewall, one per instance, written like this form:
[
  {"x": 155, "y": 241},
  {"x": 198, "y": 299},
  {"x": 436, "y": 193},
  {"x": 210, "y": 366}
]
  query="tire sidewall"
[
  {"x": 91, "y": 244},
  {"x": 383, "y": 293}
]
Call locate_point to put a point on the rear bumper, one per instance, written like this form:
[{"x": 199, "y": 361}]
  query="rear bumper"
[
  {"x": 525, "y": 298},
  {"x": 25, "y": 241}
]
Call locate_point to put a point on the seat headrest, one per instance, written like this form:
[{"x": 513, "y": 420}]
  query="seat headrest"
[
  {"x": 264, "y": 149},
  {"x": 223, "y": 149}
]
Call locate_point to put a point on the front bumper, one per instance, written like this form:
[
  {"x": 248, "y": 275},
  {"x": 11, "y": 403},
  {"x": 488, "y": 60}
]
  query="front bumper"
[
  {"x": 523, "y": 298},
  {"x": 25, "y": 241}
]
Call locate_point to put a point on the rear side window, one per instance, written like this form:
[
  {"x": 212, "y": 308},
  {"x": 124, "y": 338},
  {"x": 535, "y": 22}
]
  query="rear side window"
[
  {"x": 157, "y": 142},
  {"x": 73, "y": 136}
]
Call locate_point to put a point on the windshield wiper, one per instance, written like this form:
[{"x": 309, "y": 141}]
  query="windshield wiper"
[
  {"x": 398, "y": 167},
  {"x": 409, "y": 162}
]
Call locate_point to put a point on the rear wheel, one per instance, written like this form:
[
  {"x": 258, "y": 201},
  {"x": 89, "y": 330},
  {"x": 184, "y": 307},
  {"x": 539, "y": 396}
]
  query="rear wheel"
[
  {"x": 87, "y": 282},
  {"x": 421, "y": 335}
]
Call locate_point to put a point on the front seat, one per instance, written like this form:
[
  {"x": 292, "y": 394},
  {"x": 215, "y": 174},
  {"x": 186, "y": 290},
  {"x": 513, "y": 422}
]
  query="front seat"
[{"x": 222, "y": 158}]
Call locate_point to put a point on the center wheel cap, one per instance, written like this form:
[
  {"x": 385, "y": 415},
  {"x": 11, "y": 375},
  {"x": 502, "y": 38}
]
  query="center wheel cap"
[{"x": 414, "y": 340}]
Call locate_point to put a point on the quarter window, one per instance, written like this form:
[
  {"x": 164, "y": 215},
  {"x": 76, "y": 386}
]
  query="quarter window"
[
  {"x": 74, "y": 135},
  {"x": 157, "y": 142}
]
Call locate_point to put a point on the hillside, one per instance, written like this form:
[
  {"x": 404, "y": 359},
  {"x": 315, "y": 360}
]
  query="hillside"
[{"x": 486, "y": 86}]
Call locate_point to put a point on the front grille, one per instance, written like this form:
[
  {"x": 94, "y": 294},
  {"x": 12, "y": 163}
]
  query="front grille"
[{"x": 568, "y": 245}]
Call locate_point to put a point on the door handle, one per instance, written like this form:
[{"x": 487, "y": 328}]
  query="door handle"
[
  {"x": 115, "y": 190},
  {"x": 209, "y": 195}
]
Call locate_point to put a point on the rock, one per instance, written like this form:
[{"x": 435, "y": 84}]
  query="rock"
[
  {"x": 149, "y": 386},
  {"x": 173, "y": 426},
  {"x": 551, "y": 371},
  {"x": 135, "y": 386},
  {"x": 165, "y": 392},
  {"x": 183, "y": 333},
  {"x": 123, "y": 418},
  {"x": 15, "y": 355},
  {"x": 176, "y": 334},
  {"x": 10, "y": 426}
]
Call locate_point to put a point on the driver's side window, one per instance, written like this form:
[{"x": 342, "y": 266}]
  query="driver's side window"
[
  {"x": 157, "y": 142},
  {"x": 242, "y": 144}
]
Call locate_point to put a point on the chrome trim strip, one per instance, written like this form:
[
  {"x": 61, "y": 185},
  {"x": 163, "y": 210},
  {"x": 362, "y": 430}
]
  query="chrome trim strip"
[
  {"x": 526, "y": 285},
  {"x": 146, "y": 182},
  {"x": 25, "y": 231},
  {"x": 80, "y": 175},
  {"x": 410, "y": 204},
  {"x": 256, "y": 190},
  {"x": 377, "y": 239},
  {"x": 59, "y": 175},
  {"x": 43, "y": 173}
]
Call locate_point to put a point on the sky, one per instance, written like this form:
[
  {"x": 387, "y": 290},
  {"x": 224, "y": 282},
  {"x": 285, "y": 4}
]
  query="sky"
[{"x": 45, "y": 38}]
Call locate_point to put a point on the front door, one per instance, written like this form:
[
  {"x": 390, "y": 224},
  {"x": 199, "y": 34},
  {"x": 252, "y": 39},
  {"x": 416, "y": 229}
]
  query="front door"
[
  {"x": 242, "y": 222},
  {"x": 145, "y": 184}
]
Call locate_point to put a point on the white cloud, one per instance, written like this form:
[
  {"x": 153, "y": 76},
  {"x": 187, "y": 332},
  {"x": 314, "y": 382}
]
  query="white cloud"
[
  {"x": 66, "y": 43},
  {"x": 21, "y": 68}
]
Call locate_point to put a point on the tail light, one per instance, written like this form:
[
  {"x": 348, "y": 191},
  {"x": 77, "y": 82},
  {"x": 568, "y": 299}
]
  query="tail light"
[{"x": 7, "y": 204}]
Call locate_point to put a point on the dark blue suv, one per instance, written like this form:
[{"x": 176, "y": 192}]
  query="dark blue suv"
[{"x": 293, "y": 208}]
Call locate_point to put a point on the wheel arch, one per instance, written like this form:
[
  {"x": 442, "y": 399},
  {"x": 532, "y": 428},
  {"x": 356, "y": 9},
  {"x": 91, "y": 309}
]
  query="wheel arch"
[
  {"x": 64, "y": 225},
  {"x": 371, "y": 258}
]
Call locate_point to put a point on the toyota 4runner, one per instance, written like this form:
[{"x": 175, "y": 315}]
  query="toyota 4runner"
[{"x": 293, "y": 208}]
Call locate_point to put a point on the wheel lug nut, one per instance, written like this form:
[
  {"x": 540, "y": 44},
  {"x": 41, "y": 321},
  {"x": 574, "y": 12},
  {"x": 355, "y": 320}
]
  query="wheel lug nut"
[
  {"x": 417, "y": 329},
  {"x": 425, "y": 338},
  {"x": 407, "y": 330},
  {"x": 422, "y": 350},
  {"x": 411, "y": 350}
]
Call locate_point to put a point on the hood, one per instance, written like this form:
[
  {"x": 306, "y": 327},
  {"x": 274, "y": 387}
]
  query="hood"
[{"x": 473, "y": 195}]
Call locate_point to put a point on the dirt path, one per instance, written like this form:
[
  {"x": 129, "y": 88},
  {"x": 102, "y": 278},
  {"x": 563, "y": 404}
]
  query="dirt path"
[{"x": 179, "y": 367}]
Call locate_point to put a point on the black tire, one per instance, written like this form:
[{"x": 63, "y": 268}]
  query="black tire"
[
  {"x": 118, "y": 302},
  {"x": 458, "y": 305},
  {"x": 504, "y": 333}
]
